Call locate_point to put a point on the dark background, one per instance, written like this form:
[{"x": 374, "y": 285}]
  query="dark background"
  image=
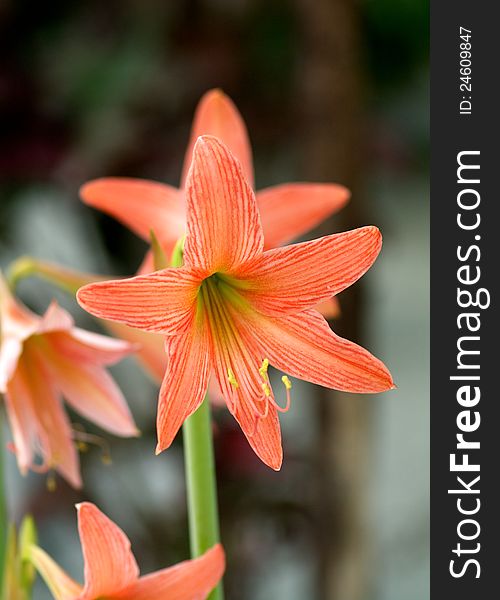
[{"x": 331, "y": 90}]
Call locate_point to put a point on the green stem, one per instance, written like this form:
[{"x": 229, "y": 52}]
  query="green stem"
[
  {"x": 199, "y": 461},
  {"x": 4, "y": 525},
  {"x": 64, "y": 278},
  {"x": 201, "y": 485}
]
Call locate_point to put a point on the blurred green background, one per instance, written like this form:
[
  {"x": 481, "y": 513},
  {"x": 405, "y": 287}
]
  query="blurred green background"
[{"x": 331, "y": 90}]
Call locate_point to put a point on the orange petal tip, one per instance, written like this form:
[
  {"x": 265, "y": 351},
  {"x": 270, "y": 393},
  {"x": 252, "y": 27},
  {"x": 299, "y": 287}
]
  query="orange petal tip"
[
  {"x": 158, "y": 449},
  {"x": 214, "y": 93},
  {"x": 87, "y": 190}
]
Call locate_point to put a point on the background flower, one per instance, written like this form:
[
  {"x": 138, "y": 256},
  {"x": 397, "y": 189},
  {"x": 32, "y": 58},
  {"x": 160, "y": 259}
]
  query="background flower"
[
  {"x": 43, "y": 359},
  {"x": 111, "y": 571}
]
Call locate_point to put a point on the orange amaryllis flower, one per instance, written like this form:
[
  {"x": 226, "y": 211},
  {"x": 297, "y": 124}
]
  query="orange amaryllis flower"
[
  {"x": 42, "y": 359},
  {"x": 287, "y": 211},
  {"x": 111, "y": 572},
  {"x": 233, "y": 308}
]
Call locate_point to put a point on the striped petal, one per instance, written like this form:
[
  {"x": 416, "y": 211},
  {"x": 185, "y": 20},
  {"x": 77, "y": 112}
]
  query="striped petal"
[
  {"x": 161, "y": 302},
  {"x": 92, "y": 392},
  {"x": 263, "y": 434},
  {"x": 223, "y": 227},
  {"x": 151, "y": 353},
  {"x": 185, "y": 382},
  {"x": 305, "y": 347},
  {"x": 297, "y": 277},
  {"x": 109, "y": 563},
  {"x": 86, "y": 346},
  {"x": 17, "y": 324},
  {"x": 188, "y": 580},
  {"x": 217, "y": 115},
  {"x": 22, "y": 419},
  {"x": 290, "y": 210},
  {"x": 329, "y": 308},
  {"x": 237, "y": 359},
  {"x": 139, "y": 204},
  {"x": 38, "y": 420}
]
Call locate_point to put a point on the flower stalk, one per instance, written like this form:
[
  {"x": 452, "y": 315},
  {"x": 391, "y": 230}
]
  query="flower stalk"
[
  {"x": 201, "y": 484},
  {"x": 3, "y": 505},
  {"x": 65, "y": 279}
]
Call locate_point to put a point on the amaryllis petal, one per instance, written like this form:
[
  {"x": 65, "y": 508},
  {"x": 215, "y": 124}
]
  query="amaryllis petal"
[
  {"x": 148, "y": 263},
  {"x": 21, "y": 418},
  {"x": 161, "y": 302},
  {"x": 188, "y": 580},
  {"x": 59, "y": 583},
  {"x": 304, "y": 346},
  {"x": 10, "y": 351},
  {"x": 223, "y": 227},
  {"x": 151, "y": 353},
  {"x": 54, "y": 437},
  {"x": 237, "y": 366},
  {"x": 297, "y": 277},
  {"x": 43, "y": 358},
  {"x": 16, "y": 321},
  {"x": 139, "y": 204},
  {"x": 329, "y": 308},
  {"x": 111, "y": 571},
  {"x": 110, "y": 565},
  {"x": 263, "y": 433},
  {"x": 55, "y": 433},
  {"x": 185, "y": 382},
  {"x": 92, "y": 392},
  {"x": 17, "y": 324},
  {"x": 217, "y": 115},
  {"x": 292, "y": 209},
  {"x": 55, "y": 319},
  {"x": 233, "y": 309},
  {"x": 86, "y": 346}
]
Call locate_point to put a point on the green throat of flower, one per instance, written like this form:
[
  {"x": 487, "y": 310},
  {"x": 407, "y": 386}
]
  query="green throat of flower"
[{"x": 224, "y": 307}]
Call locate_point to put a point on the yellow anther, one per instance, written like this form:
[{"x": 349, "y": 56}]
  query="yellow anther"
[
  {"x": 106, "y": 459},
  {"x": 286, "y": 382},
  {"x": 266, "y": 389},
  {"x": 232, "y": 379},
  {"x": 263, "y": 369},
  {"x": 83, "y": 440},
  {"x": 82, "y": 446},
  {"x": 51, "y": 482}
]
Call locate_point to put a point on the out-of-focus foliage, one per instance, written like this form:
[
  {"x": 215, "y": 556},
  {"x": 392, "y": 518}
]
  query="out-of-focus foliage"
[{"x": 396, "y": 38}]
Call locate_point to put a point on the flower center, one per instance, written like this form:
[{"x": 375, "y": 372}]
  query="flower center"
[{"x": 238, "y": 356}]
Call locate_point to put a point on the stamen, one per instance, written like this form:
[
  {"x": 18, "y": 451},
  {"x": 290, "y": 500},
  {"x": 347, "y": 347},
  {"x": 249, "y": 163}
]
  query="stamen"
[
  {"x": 83, "y": 439},
  {"x": 263, "y": 369},
  {"x": 232, "y": 378},
  {"x": 51, "y": 482},
  {"x": 244, "y": 386},
  {"x": 288, "y": 386}
]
